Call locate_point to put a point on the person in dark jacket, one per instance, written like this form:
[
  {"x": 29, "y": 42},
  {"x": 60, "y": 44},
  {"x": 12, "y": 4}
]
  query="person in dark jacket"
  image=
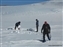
[
  {"x": 37, "y": 25},
  {"x": 17, "y": 25},
  {"x": 46, "y": 30}
]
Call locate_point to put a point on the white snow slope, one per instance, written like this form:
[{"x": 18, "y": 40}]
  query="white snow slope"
[{"x": 49, "y": 11}]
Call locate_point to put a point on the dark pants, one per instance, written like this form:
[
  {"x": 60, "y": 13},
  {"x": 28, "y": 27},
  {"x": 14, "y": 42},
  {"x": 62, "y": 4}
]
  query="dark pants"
[
  {"x": 15, "y": 27},
  {"x": 47, "y": 36},
  {"x": 36, "y": 28}
]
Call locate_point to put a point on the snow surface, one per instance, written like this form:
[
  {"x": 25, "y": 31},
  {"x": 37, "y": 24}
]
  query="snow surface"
[
  {"x": 30, "y": 39},
  {"x": 49, "y": 11}
]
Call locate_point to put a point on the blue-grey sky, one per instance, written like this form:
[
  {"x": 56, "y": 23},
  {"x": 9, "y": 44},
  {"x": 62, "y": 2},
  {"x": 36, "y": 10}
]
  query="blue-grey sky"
[{"x": 19, "y": 2}]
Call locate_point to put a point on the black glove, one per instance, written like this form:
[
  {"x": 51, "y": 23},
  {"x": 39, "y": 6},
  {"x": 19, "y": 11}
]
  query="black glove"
[{"x": 48, "y": 31}]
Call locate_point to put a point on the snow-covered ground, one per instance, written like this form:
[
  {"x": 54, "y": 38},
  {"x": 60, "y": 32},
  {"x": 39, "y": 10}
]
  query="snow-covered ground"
[
  {"x": 49, "y": 11},
  {"x": 30, "y": 39}
]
